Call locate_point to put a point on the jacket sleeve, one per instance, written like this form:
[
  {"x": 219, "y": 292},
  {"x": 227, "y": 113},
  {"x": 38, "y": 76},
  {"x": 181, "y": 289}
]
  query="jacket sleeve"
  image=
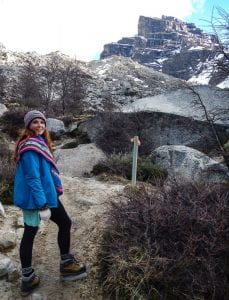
[{"x": 31, "y": 169}]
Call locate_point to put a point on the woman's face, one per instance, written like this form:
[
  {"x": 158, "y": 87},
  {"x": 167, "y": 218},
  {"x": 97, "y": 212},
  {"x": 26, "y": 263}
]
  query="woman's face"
[{"x": 38, "y": 126}]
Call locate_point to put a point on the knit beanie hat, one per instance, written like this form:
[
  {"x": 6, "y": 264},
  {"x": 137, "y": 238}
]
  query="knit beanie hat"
[{"x": 33, "y": 114}]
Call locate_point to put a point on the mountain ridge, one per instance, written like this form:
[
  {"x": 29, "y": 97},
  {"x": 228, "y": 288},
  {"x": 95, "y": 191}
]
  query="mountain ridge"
[{"x": 169, "y": 45}]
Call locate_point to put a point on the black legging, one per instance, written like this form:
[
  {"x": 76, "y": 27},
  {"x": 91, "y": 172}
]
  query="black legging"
[{"x": 58, "y": 216}]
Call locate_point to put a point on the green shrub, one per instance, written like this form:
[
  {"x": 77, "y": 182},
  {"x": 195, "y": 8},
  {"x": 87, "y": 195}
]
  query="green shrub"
[
  {"x": 167, "y": 245},
  {"x": 121, "y": 165}
]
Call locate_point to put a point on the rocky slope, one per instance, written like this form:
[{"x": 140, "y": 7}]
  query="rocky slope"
[
  {"x": 110, "y": 82},
  {"x": 121, "y": 80}
]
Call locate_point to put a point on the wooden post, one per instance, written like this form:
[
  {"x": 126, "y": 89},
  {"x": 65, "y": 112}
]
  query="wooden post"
[{"x": 137, "y": 143}]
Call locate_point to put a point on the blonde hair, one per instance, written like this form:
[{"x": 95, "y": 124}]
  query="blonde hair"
[{"x": 25, "y": 134}]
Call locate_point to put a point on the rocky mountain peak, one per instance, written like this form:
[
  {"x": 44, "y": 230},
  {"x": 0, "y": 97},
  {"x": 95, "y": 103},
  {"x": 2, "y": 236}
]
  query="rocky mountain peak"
[{"x": 160, "y": 39}]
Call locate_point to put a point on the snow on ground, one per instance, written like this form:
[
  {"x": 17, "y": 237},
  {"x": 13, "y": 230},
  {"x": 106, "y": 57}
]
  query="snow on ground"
[
  {"x": 196, "y": 48},
  {"x": 103, "y": 69},
  {"x": 204, "y": 76},
  {"x": 224, "y": 84}
]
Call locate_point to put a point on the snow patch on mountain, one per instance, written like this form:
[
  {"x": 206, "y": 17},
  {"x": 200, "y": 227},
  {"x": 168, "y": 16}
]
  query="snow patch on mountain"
[{"x": 224, "y": 84}]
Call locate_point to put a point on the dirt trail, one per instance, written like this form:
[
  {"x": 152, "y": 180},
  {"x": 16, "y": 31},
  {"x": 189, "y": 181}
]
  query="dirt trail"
[{"x": 84, "y": 199}]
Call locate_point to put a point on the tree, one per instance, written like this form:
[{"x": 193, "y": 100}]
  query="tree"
[
  {"x": 62, "y": 81},
  {"x": 71, "y": 86},
  {"x": 2, "y": 84},
  {"x": 27, "y": 87},
  {"x": 219, "y": 24},
  {"x": 49, "y": 76}
]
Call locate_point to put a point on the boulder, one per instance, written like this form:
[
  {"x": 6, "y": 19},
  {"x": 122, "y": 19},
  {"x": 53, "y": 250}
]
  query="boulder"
[
  {"x": 55, "y": 126},
  {"x": 155, "y": 129},
  {"x": 184, "y": 102},
  {"x": 79, "y": 160},
  {"x": 8, "y": 269},
  {"x": 7, "y": 240},
  {"x": 3, "y": 109},
  {"x": 189, "y": 165},
  {"x": 73, "y": 127},
  {"x": 2, "y": 210}
]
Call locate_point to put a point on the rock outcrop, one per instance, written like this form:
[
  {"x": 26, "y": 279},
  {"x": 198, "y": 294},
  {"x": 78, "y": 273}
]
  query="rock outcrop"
[
  {"x": 56, "y": 127},
  {"x": 79, "y": 161},
  {"x": 155, "y": 129},
  {"x": 185, "y": 102},
  {"x": 3, "y": 109},
  {"x": 160, "y": 39},
  {"x": 168, "y": 119},
  {"x": 189, "y": 165}
]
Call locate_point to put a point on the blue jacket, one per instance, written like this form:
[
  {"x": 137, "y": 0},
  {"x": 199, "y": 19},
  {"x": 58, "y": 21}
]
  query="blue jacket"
[{"x": 33, "y": 184}]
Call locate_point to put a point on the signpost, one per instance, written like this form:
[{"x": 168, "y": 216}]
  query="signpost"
[{"x": 137, "y": 143}]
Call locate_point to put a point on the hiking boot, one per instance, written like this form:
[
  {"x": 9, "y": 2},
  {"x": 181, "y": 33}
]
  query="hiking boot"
[
  {"x": 29, "y": 284},
  {"x": 71, "y": 269}
]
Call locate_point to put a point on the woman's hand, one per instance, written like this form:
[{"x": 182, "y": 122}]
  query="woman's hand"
[{"x": 45, "y": 214}]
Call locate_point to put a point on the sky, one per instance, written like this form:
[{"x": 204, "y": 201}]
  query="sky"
[{"x": 80, "y": 28}]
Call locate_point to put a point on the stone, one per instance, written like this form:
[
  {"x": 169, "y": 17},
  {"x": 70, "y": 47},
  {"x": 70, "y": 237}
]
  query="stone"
[
  {"x": 8, "y": 268},
  {"x": 36, "y": 296},
  {"x": 79, "y": 160},
  {"x": 7, "y": 240},
  {"x": 55, "y": 126},
  {"x": 158, "y": 126},
  {"x": 19, "y": 222},
  {"x": 189, "y": 165},
  {"x": 4, "y": 265},
  {"x": 183, "y": 102},
  {"x": 73, "y": 127},
  {"x": 2, "y": 210},
  {"x": 3, "y": 109}
]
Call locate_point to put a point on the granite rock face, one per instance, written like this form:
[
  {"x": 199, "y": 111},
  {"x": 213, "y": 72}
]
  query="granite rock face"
[
  {"x": 155, "y": 129},
  {"x": 78, "y": 161},
  {"x": 187, "y": 164},
  {"x": 162, "y": 39}
]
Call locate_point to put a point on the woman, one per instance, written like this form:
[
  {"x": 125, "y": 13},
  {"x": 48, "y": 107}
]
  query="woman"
[{"x": 37, "y": 186}]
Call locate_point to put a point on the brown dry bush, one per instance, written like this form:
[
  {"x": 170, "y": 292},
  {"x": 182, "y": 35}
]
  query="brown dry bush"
[
  {"x": 116, "y": 130},
  {"x": 7, "y": 169},
  {"x": 13, "y": 121},
  {"x": 168, "y": 245}
]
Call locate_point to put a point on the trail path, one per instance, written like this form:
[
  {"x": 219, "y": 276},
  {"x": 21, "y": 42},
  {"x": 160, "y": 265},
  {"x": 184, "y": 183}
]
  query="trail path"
[{"x": 85, "y": 200}]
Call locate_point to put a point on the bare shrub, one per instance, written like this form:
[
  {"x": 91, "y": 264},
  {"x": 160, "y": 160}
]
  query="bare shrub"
[
  {"x": 13, "y": 121},
  {"x": 115, "y": 134},
  {"x": 168, "y": 245},
  {"x": 117, "y": 129},
  {"x": 7, "y": 169}
]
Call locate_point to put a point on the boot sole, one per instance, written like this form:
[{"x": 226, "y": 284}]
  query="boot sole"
[
  {"x": 29, "y": 291},
  {"x": 73, "y": 277}
]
